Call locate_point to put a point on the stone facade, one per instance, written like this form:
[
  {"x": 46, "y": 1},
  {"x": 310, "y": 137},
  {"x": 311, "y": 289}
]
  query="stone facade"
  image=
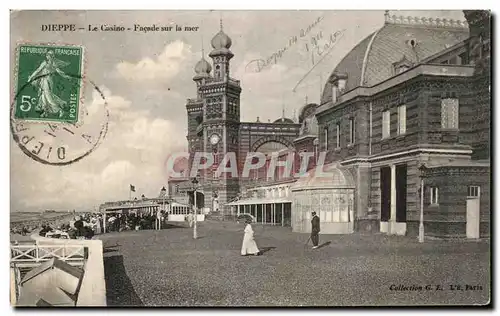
[
  {"x": 422, "y": 140},
  {"x": 379, "y": 122}
]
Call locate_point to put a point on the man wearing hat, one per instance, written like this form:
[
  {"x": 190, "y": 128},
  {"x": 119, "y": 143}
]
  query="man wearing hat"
[{"x": 315, "y": 230}]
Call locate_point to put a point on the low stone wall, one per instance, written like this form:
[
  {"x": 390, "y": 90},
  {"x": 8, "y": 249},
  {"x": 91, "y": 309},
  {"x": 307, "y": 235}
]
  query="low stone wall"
[
  {"x": 93, "y": 288},
  {"x": 182, "y": 217}
]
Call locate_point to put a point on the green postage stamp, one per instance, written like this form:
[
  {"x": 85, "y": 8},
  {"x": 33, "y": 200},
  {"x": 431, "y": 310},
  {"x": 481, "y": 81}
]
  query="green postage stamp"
[{"x": 49, "y": 83}]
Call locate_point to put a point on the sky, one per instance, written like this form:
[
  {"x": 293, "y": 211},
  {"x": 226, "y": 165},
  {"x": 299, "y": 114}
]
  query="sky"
[{"x": 147, "y": 77}]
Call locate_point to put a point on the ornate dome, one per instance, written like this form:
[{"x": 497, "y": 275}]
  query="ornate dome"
[
  {"x": 221, "y": 41},
  {"x": 330, "y": 176},
  {"x": 306, "y": 111},
  {"x": 372, "y": 60},
  {"x": 284, "y": 120},
  {"x": 203, "y": 66}
]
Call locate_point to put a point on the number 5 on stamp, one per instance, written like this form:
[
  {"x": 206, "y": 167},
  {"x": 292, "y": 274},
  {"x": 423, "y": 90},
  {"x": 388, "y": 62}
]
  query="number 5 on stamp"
[{"x": 49, "y": 83}]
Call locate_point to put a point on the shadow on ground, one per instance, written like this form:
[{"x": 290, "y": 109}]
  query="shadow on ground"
[
  {"x": 119, "y": 289},
  {"x": 266, "y": 249},
  {"x": 112, "y": 248},
  {"x": 170, "y": 226},
  {"x": 324, "y": 244}
]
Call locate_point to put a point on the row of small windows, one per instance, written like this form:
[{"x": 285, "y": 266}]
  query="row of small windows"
[
  {"x": 386, "y": 122},
  {"x": 449, "y": 118},
  {"x": 352, "y": 127},
  {"x": 473, "y": 192}
]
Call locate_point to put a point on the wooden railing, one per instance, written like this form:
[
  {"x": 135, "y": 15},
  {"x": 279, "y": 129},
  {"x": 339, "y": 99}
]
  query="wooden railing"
[{"x": 31, "y": 255}]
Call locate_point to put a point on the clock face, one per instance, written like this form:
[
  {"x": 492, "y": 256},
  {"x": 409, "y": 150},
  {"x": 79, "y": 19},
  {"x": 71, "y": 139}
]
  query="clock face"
[{"x": 214, "y": 139}]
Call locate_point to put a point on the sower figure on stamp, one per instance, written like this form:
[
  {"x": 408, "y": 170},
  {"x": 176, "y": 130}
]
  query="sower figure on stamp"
[
  {"x": 41, "y": 78},
  {"x": 315, "y": 229}
]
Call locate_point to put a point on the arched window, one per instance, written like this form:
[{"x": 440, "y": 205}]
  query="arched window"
[
  {"x": 325, "y": 132},
  {"x": 334, "y": 93}
]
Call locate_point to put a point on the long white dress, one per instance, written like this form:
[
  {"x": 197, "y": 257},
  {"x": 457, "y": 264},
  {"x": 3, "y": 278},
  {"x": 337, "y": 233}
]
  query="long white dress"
[{"x": 249, "y": 247}]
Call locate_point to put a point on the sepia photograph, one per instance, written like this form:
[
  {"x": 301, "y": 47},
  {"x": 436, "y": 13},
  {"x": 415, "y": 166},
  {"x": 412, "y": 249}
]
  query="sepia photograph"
[{"x": 250, "y": 158}]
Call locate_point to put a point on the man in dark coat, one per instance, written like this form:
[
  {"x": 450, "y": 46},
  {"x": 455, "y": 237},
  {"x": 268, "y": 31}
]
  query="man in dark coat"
[{"x": 315, "y": 230}]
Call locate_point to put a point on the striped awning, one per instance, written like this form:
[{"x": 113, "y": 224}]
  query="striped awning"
[{"x": 254, "y": 201}]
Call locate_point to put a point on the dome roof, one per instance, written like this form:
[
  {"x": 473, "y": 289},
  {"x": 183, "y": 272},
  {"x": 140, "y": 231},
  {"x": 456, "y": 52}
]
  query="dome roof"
[
  {"x": 309, "y": 126},
  {"x": 307, "y": 110},
  {"x": 371, "y": 61},
  {"x": 221, "y": 41},
  {"x": 203, "y": 66},
  {"x": 284, "y": 120},
  {"x": 330, "y": 176}
]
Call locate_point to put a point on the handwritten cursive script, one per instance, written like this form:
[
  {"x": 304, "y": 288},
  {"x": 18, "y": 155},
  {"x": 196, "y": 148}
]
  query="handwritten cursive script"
[
  {"x": 257, "y": 65},
  {"x": 320, "y": 50}
]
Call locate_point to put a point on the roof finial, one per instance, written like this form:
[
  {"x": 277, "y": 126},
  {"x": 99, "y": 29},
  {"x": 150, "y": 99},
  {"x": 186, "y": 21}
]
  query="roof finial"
[
  {"x": 282, "y": 110},
  {"x": 306, "y": 99},
  {"x": 202, "y": 45},
  {"x": 221, "y": 28},
  {"x": 320, "y": 86}
]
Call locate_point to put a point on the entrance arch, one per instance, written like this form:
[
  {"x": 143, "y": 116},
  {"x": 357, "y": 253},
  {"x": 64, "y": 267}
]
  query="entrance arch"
[{"x": 269, "y": 144}]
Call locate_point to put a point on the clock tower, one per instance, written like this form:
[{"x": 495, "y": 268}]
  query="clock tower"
[{"x": 214, "y": 119}]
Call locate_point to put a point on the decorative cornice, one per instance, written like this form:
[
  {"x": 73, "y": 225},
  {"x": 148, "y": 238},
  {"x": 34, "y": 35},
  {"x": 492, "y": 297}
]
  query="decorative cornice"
[{"x": 424, "y": 21}]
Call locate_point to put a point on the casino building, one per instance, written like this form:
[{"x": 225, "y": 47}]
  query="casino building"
[
  {"x": 407, "y": 108},
  {"x": 214, "y": 126}
]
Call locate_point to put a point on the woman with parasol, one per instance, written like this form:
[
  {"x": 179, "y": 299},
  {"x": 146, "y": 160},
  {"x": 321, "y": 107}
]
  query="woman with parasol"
[{"x": 249, "y": 247}]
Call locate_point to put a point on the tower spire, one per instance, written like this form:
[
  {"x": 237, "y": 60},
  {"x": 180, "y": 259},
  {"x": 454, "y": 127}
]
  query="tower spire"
[
  {"x": 282, "y": 109},
  {"x": 202, "y": 48},
  {"x": 202, "y": 45}
]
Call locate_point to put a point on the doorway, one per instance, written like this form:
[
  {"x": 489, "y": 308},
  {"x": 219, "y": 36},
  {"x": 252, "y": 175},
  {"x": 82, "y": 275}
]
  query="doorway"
[
  {"x": 473, "y": 215},
  {"x": 401, "y": 191},
  {"x": 385, "y": 196}
]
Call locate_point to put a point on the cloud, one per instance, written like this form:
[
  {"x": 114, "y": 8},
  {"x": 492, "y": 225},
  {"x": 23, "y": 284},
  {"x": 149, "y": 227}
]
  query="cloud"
[
  {"x": 133, "y": 152},
  {"x": 166, "y": 65}
]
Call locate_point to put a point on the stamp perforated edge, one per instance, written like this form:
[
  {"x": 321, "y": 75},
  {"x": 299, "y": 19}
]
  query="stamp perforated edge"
[{"x": 83, "y": 67}]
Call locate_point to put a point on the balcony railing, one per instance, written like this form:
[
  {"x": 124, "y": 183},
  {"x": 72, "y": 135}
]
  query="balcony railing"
[
  {"x": 194, "y": 101},
  {"x": 234, "y": 81}
]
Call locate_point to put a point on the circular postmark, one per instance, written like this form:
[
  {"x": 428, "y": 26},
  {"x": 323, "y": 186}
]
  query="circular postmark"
[{"x": 62, "y": 143}]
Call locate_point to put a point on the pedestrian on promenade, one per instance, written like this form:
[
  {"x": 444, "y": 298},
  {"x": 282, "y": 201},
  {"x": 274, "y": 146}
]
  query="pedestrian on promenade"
[
  {"x": 249, "y": 246},
  {"x": 158, "y": 220},
  {"x": 190, "y": 219},
  {"x": 315, "y": 230}
]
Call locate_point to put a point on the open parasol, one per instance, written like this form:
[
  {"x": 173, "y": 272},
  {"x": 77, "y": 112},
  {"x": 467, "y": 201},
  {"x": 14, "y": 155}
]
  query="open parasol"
[{"x": 246, "y": 216}]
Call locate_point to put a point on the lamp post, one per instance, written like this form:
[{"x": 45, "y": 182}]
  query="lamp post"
[
  {"x": 422, "y": 169},
  {"x": 195, "y": 229}
]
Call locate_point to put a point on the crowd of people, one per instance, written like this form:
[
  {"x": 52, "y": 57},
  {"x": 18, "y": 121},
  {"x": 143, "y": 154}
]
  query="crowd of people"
[
  {"x": 83, "y": 226},
  {"x": 135, "y": 221}
]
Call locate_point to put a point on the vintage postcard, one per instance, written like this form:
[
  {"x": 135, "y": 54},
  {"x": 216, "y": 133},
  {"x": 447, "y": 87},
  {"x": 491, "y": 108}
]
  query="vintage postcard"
[{"x": 250, "y": 158}]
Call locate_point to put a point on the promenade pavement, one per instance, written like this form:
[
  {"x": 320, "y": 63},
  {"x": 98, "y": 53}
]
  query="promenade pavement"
[{"x": 170, "y": 268}]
